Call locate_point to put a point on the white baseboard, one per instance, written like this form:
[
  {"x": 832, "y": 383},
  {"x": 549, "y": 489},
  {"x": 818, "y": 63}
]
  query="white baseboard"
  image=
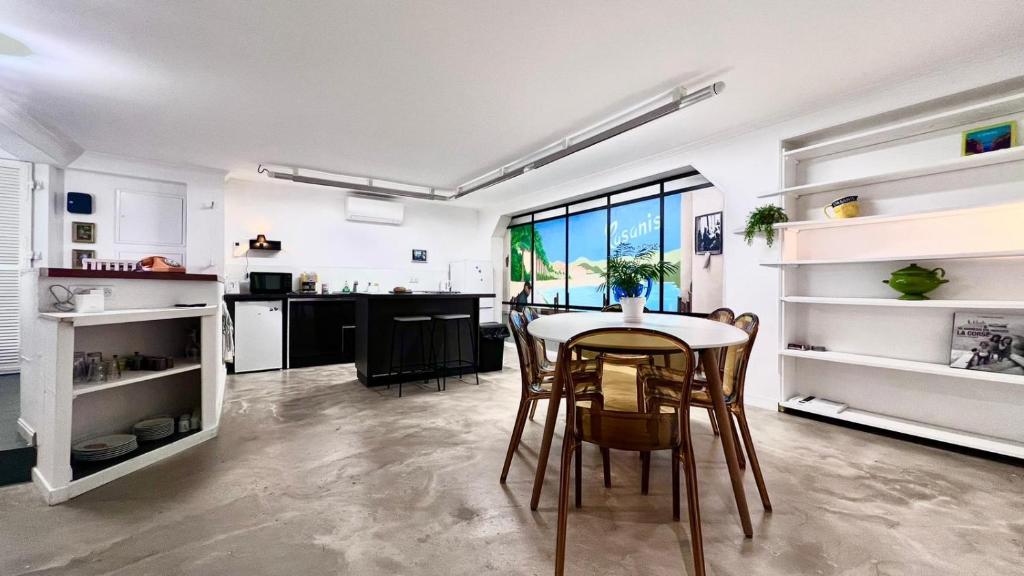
[
  {"x": 766, "y": 402},
  {"x": 26, "y": 432}
]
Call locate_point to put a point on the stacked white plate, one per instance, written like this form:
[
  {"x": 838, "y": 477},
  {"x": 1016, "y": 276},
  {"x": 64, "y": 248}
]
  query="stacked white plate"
[
  {"x": 104, "y": 447},
  {"x": 154, "y": 429}
]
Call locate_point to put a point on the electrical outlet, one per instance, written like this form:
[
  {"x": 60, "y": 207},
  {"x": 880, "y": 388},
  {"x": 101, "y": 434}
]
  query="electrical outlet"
[{"x": 81, "y": 289}]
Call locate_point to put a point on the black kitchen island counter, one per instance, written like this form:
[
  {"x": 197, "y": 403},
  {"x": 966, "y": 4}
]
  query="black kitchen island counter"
[{"x": 374, "y": 314}]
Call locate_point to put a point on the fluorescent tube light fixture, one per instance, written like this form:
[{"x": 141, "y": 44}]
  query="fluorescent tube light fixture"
[{"x": 637, "y": 116}]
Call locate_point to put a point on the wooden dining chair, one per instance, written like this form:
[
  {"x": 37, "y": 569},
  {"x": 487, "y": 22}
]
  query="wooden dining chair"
[
  {"x": 633, "y": 431},
  {"x": 664, "y": 386},
  {"x": 537, "y": 382},
  {"x": 725, "y": 316}
]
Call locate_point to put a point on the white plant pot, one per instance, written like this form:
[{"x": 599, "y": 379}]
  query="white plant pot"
[{"x": 633, "y": 309}]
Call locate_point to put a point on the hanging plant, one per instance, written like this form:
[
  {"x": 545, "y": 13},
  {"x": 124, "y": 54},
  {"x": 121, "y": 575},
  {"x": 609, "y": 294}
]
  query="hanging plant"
[{"x": 761, "y": 220}]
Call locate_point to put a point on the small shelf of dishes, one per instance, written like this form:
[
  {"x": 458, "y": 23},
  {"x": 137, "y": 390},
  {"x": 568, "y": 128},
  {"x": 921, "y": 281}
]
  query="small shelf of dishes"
[
  {"x": 128, "y": 377},
  {"x": 99, "y": 453}
]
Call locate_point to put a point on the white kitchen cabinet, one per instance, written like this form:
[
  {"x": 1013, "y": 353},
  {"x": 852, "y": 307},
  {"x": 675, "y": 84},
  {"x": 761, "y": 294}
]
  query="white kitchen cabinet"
[{"x": 258, "y": 335}]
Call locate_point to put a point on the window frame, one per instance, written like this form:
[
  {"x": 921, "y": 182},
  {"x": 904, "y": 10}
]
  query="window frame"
[{"x": 607, "y": 207}]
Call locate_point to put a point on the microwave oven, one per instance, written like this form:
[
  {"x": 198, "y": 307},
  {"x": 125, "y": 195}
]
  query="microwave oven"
[{"x": 270, "y": 282}]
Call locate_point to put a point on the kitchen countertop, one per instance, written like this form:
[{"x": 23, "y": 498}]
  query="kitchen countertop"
[
  {"x": 289, "y": 296},
  {"x": 424, "y": 295},
  {"x": 353, "y": 296}
]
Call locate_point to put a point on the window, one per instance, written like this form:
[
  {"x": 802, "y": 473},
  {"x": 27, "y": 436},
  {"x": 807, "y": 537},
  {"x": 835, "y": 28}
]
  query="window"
[
  {"x": 588, "y": 256},
  {"x": 638, "y": 224},
  {"x": 675, "y": 288},
  {"x": 549, "y": 262},
  {"x": 563, "y": 250},
  {"x": 520, "y": 258}
]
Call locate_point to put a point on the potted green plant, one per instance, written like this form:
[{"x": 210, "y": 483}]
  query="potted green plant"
[
  {"x": 763, "y": 219},
  {"x": 628, "y": 271}
]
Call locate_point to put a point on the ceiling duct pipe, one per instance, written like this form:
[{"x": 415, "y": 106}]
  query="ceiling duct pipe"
[
  {"x": 368, "y": 186},
  {"x": 503, "y": 174},
  {"x": 565, "y": 147}
]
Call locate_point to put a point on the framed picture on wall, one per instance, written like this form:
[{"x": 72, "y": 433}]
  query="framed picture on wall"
[
  {"x": 988, "y": 342},
  {"x": 708, "y": 234},
  {"x": 419, "y": 256},
  {"x": 77, "y": 257},
  {"x": 83, "y": 232},
  {"x": 989, "y": 138}
]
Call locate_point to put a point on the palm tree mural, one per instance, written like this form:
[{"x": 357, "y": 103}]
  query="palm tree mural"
[{"x": 524, "y": 242}]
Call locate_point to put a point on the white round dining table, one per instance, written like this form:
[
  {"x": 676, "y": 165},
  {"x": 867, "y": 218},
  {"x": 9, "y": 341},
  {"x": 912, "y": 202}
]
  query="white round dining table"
[
  {"x": 705, "y": 336},
  {"x": 697, "y": 332}
]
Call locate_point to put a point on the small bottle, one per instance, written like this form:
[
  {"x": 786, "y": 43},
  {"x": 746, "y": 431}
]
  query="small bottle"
[{"x": 346, "y": 289}]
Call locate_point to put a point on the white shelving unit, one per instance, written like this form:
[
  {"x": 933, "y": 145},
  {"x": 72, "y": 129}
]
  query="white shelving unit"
[
  {"x": 73, "y": 411},
  {"x": 830, "y": 271}
]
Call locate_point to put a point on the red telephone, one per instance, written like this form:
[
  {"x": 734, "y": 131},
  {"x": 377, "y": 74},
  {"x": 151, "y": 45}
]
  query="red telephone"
[{"x": 160, "y": 264}]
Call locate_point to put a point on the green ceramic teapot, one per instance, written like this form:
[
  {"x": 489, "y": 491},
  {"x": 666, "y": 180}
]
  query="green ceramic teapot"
[{"x": 914, "y": 281}]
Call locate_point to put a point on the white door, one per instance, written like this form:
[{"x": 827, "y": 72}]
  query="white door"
[
  {"x": 258, "y": 335},
  {"x": 15, "y": 247}
]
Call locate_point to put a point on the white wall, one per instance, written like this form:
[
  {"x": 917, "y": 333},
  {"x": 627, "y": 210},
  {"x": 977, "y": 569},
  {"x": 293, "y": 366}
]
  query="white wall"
[
  {"x": 707, "y": 283},
  {"x": 745, "y": 164},
  {"x": 101, "y": 174},
  {"x": 310, "y": 223}
]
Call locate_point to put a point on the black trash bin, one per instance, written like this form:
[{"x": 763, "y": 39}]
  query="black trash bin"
[{"x": 492, "y": 346}]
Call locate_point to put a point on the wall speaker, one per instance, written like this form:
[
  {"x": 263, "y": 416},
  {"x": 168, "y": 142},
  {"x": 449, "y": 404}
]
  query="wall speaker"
[{"x": 79, "y": 203}]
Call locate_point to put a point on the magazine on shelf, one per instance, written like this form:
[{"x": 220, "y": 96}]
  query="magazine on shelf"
[{"x": 988, "y": 342}]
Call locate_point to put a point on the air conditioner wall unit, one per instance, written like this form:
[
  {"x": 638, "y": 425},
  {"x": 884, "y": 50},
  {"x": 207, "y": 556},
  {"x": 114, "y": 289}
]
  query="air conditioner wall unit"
[{"x": 361, "y": 209}]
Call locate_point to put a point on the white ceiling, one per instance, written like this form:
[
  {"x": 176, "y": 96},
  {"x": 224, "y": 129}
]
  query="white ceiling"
[{"x": 438, "y": 92}]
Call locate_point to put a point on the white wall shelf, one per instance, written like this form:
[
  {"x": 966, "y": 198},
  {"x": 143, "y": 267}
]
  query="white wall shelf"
[
  {"x": 887, "y": 218},
  {"x": 953, "y": 165},
  {"x": 904, "y": 366},
  {"x": 914, "y": 258},
  {"x": 941, "y": 120},
  {"x": 121, "y": 316},
  {"x": 134, "y": 377},
  {"x": 919, "y": 429},
  {"x": 897, "y": 303}
]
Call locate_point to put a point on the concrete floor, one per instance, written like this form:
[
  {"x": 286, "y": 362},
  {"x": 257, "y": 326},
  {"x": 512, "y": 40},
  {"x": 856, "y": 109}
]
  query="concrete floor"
[{"x": 315, "y": 474}]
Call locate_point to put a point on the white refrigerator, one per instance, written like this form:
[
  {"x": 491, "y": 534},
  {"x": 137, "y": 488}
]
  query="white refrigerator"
[{"x": 474, "y": 276}]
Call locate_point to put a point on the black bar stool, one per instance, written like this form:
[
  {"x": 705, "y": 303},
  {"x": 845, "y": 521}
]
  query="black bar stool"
[
  {"x": 400, "y": 326},
  {"x": 445, "y": 320}
]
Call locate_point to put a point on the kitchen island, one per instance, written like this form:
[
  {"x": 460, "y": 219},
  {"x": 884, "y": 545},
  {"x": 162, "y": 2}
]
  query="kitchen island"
[{"x": 374, "y": 319}]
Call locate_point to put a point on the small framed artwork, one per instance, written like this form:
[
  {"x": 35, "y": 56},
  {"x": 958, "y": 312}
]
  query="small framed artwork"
[
  {"x": 77, "y": 257},
  {"x": 989, "y": 138},
  {"x": 419, "y": 256},
  {"x": 83, "y": 232},
  {"x": 988, "y": 342},
  {"x": 708, "y": 234}
]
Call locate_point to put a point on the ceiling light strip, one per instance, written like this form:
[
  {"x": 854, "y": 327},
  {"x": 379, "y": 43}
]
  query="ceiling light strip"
[
  {"x": 372, "y": 188},
  {"x": 679, "y": 103},
  {"x": 564, "y": 147}
]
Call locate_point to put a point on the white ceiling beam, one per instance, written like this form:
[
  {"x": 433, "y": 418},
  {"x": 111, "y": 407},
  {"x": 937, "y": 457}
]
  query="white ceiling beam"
[{"x": 25, "y": 138}]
